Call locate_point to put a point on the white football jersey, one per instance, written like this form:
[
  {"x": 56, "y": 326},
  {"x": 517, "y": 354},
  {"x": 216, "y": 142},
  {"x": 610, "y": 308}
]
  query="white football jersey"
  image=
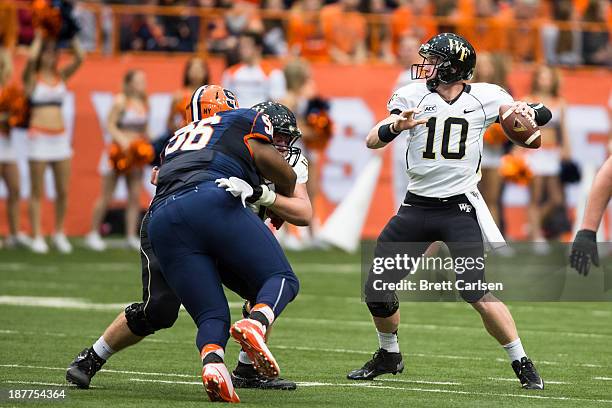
[{"x": 443, "y": 157}]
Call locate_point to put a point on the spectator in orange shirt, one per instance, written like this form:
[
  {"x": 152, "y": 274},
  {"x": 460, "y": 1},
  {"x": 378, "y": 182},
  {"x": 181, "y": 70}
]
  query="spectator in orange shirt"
[
  {"x": 345, "y": 31},
  {"x": 596, "y": 47},
  {"x": 524, "y": 38},
  {"x": 486, "y": 27},
  {"x": 413, "y": 17},
  {"x": 8, "y": 24},
  {"x": 305, "y": 31}
]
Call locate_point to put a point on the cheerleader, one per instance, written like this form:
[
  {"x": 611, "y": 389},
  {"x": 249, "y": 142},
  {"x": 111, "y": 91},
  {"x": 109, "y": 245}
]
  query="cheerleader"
[
  {"x": 195, "y": 75},
  {"x": 545, "y": 189},
  {"x": 48, "y": 142},
  {"x": 9, "y": 97},
  {"x": 315, "y": 122},
  {"x": 492, "y": 68},
  {"x": 129, "y": 152}
]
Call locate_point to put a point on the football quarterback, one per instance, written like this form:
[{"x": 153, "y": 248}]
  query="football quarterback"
[{"x": 445, "y": 118}]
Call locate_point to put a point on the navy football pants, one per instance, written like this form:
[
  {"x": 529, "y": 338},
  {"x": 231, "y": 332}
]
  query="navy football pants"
[{"x": 203, "y": 239}]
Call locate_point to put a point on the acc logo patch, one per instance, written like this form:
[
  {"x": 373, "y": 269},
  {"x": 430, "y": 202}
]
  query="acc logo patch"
[{"x": 429, "y": 108}]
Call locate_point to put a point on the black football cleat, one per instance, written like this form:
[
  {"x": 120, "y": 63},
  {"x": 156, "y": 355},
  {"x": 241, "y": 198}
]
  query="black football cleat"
[
  {"x": 245, "y": 376},
  {"x": 527, "y": 374},
  {"x": 382, "y": 362},
  {"x": 85, "y": 365}
]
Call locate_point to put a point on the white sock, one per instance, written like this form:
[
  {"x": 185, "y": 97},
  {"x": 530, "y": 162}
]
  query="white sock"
[
  {"x": 515, "y": 350},
  {"x": 388, "y": 341},
  {"x": 102, "y": 349},
  {"x": 243, "y": 357}
]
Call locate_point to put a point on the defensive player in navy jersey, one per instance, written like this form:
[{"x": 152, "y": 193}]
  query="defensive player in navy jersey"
[{"x": 160, "y": 305}]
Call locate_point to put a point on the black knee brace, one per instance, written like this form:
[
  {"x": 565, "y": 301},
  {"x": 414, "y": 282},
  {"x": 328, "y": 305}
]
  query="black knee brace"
[
  {"x": 386, "y": 308},
  {"x": 137, "y": 321}
]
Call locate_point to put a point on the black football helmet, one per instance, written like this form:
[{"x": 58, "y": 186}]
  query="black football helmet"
[
  {"x": 286, "y": 131},
  {"x": 456, "y": 60}
]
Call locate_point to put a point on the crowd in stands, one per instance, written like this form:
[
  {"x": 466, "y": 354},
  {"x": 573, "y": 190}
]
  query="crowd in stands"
[{"x": 567, "y": 32}]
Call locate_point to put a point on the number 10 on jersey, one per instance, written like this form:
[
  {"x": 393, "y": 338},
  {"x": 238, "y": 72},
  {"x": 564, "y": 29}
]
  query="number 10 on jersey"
[{"x": 448, "y": 125}]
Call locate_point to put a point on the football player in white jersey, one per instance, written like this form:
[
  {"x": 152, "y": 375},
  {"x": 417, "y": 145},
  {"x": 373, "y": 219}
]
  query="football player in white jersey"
[{"x": 445, "y": 118}]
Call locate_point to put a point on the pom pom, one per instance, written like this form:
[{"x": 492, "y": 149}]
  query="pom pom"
[
  {"x": 46, "y": 18},
  {"x": 495, "y": 136},
  {"x": 14, "y": 101},
  {"x": 138, "y": 154},
  {"x": 514, "y": 168}
]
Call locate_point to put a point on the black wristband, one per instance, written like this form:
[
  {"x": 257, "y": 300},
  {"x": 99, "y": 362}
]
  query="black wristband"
[
  {"x": 542, "y": 114},
  {"x": 385, "y": 134},
  {"x": 257, "y": 192}
]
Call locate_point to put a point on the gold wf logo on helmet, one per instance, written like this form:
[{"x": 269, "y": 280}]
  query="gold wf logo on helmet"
[{"x": 459, "y": 48}]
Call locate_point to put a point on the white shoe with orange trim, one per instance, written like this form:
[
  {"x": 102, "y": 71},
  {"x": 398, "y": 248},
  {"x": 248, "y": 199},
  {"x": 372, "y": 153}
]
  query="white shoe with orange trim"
[
  {"x": 218, "y": 383},
  {"x": 250, "y": 334}
]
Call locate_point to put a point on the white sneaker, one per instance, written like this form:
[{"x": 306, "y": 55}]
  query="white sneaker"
[
  {"x": 506, "y": 251},
  {"x": 540, "y": 246},
  {"x": 94, "y": 241},
  {"x": 61, "y": 243},
  {"x": 39, "y": 245},
  {"x": 20, "y": 240},
  {"x": 133, "y": 242}
]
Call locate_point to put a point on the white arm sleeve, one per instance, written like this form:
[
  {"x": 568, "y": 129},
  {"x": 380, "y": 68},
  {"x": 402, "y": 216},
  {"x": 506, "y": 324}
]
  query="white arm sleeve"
[{"x": 301, "y": 170}]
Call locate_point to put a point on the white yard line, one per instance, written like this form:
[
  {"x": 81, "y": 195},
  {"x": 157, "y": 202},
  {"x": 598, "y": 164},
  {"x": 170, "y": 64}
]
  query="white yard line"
[
  {"x": 408, "y": 389},
  {"x": 312, "y": 384},
  {"x": 603, "y": 378},
  {"x": 395, "y": 380},
  {"x": 68, "y": 303},
  {"x": 546, "y": 381},
  {"x": 104, "y": 370},
  {"x": 44, "y": 383}
]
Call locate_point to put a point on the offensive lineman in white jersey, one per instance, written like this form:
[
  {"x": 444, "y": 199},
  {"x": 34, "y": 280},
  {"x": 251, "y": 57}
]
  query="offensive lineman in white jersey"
[{"x": 445, "y": 118}]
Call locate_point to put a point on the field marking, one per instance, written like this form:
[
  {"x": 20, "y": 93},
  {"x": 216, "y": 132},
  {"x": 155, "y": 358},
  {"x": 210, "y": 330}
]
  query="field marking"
[
  {"x": 58, "y": 303},
  {"x": 418, "y": 381},
  {"x": 342, "y": 268},
  {"x": 45, "y": 383},
  {"x": 603, "y": 378},
  {"x": 435, "y": 327},
  {"x": 342, "y": 351},
  {"x": 166, "y": 381},
  {"x": 310, "y": 384},
  {"x": 84, "y": 304},
  {"x": 515, "y": 380},
  {"x": 412, "y": 389},
  {"x": 68, "y": 303},
  {"x": 101, "y": 371}
]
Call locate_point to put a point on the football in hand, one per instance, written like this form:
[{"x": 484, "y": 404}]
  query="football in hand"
[{"x": 521, "y": 130}]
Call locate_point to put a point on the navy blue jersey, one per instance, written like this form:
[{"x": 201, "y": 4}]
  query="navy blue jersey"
[{"x": 212, "y": 148}]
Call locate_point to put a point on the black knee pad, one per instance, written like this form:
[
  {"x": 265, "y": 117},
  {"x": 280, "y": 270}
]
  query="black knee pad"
[
  {"x": 472, "y": 296},
  {"x": 386, "y": 308},
  {"x": 162, "y": 316},
  {"x": 137, "y": 321}
]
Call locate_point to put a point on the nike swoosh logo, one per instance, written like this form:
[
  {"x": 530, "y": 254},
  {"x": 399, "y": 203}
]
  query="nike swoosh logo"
[{"x": 468, "y": 110}]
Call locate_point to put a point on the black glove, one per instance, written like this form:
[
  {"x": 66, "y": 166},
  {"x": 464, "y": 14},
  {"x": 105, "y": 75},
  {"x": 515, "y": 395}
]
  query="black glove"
[{"x": 584, "y": 251}]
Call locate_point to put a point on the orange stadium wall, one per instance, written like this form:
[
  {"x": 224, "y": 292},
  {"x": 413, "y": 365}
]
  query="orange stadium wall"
[{"x": 359, "y": 95}]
